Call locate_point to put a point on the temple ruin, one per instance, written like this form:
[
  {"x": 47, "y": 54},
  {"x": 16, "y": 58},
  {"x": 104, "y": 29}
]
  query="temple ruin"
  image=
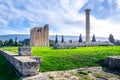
[{"x": 39, "y": 36}]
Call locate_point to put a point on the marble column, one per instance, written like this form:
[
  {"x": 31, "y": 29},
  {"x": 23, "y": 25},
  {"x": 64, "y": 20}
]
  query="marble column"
[{"x": 87, "y": 12}]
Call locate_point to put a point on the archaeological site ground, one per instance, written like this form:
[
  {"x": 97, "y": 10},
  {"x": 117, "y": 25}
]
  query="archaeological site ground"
[
  {"x": 38, "y": 57},
  {"x": 67, "y": 59}
]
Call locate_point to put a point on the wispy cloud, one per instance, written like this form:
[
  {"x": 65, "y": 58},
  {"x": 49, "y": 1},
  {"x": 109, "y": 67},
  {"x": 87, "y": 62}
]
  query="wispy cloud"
[
  {"x": 64, "y": 16},
  {"x": 3, "y": 23}
]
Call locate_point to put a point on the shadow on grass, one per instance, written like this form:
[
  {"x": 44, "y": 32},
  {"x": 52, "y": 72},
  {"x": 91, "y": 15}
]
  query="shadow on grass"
[
  {"x": 100, "y": 62},
  {"x": 7, "y": 71}
]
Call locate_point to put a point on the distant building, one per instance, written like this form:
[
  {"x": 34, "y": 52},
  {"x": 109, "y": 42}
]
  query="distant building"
[{"x": 39, "y": 36}]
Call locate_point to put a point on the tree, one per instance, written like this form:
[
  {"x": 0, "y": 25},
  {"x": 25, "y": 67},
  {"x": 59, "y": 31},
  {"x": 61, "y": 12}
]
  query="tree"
[
  {"x": 20, "y": 43},
  {"x": 80, "y": 38},
  {"x": 62, "y": 40},
  {"x": 26, "y": 42},
  {"x": 5, "y": 43},
  {"x": 16, "y": 41},
  {"x": 93, "y": 38},
  {"x": 10, "y": 42},
  {"x": 1, "y": 44},
  {"x": 70, "y": 41},
  {"x": 111, "y": 38},
  {"x": 56, "y": 39}
]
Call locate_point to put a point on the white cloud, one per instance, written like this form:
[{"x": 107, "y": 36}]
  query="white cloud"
[
  {"x": 101, "y": 8},
  {"x": 62, "y": 15},
  {"x": 105, "y": 27},
  {"x": 118, "y": 3},
  {"x": 58, "y": 15},
  {"x": 100, "y": 0},
  {"x": 3, "y": 23},
  {"x": 10, "y": 31}
]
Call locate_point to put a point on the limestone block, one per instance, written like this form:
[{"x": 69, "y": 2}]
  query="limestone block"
[
  {"x": 113, "y": 62},
  {"x": 24, "y": 51},
  {"x": 24, "y": 65},
  {"x": 37, "y": 59}
]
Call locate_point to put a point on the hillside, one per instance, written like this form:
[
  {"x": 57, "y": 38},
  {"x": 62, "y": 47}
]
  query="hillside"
[{"x": 52, "y": 37}]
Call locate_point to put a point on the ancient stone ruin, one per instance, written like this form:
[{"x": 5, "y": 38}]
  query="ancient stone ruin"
[
  {"x": 24, "y": 51},
  {"x": 39, "y": 36},
  {"x": 113, "y": 62},
  {"x": 83, "y": 44},
  {"x": 87, "y": 12},
  {"x": 24, "y": 64}
]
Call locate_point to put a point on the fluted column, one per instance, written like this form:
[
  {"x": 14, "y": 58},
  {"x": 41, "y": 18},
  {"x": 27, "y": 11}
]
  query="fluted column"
[{"x": 87, "y": 12}]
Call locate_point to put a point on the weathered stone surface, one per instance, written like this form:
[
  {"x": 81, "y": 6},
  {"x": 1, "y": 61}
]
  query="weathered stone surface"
[
  {"x": 87, "y": 11},
  {"x": 96, "y": 74},
  {"x": 36, "y": 58},
  {"x": 39, "y": 36},
  {"x": 25, "y": 65},
  {"x": 25, "y": 51},
  {"x": 113, "y": 62},
  {"x": 39, "y": 76},
  {"x": 64, "y": 45},
  {"x": 83, "y": 44}
]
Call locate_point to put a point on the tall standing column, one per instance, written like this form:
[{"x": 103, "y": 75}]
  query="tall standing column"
[
  {"x": 40, "y": 37},
  {"x": 87, "y": 12},
  {"x": 46, "y": 26}
]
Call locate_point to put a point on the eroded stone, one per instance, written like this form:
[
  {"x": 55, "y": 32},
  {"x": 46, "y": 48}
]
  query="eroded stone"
[
  {"x": 24, "y": 51},
  {"x": 113, "y": 62}
]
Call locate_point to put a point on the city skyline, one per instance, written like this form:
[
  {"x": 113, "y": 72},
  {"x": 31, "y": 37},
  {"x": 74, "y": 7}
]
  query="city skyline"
[{"x": 65, "y": 17}]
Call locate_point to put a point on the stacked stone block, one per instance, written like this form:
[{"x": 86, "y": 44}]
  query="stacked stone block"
[
  {"x": 39, "y": 36},
  {"x": 113, "y": 62},
  {"x": 24, "y": 63},
  {"x": 24, "y": 51}
]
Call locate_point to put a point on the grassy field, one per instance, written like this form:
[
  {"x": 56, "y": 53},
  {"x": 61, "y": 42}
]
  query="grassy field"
[
  {"x": 64, "y": 59},
  {"x": 6, "y": 71}
]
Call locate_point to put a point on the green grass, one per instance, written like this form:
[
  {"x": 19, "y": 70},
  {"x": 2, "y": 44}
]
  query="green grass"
[
  {"x": 12, "y": 49},
  {"x": 64, "y": 59},
  {"x": 6, "y": 70}
]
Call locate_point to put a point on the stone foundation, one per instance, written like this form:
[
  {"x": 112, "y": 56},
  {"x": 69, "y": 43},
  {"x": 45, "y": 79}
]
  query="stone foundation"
[
  {"x": 113, "y": 62},
  {"x": 83, "y": 44},
  {"x": 24, "y": 51},
  {"x": 25, "y": 65}
]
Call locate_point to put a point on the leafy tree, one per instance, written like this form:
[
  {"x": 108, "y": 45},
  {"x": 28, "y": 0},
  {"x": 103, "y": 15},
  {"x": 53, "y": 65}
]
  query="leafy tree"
[
  {"x": 80, "y": 38},
  {"x": 10, "y": 42},
  {"x": 20, "y": 43},
  {"x": 16, "y": 41},
  {"x": 5, "y": 43},
  {"x": 26, "y": 42},
  {"x": 62, "y": 40},
  {"x": 111, "y": 38},
  {"x": 56, "y": 39},
  {"x": 93, "y": 38}
]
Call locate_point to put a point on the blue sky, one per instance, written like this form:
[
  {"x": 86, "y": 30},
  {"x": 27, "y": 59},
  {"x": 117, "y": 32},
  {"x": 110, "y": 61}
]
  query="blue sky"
[{"x": 66, "y": 17}]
